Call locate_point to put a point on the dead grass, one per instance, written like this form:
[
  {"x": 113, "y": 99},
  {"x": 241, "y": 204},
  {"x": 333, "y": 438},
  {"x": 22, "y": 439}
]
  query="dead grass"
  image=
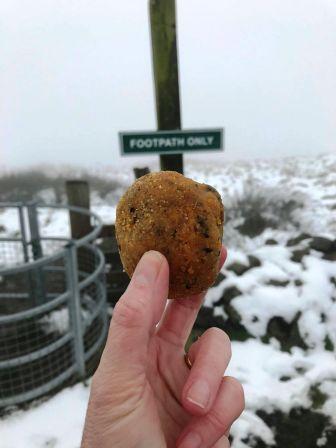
[
  {"x": 257, "y": 209},
  {"x": 27, "y": 185}
]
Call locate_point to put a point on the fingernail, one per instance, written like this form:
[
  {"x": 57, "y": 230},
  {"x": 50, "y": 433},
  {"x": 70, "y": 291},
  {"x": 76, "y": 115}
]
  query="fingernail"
[
  {"x": 199, "y": 393},
  {"x": 147, "y": 268},
  {"x": 191, "y": 440}
]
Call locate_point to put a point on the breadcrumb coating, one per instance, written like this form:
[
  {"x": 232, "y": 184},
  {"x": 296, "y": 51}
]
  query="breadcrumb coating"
[{"x": 178, "y": 217}]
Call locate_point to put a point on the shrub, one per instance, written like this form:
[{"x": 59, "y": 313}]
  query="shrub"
[{"x": 258, "y": 208}]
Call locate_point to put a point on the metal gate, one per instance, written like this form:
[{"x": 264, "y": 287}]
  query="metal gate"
[{"x": 53, "y": 319}]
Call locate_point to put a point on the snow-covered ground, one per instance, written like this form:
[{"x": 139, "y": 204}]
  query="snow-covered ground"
[
  {"x": 57, "y": 423},
  {"x": 272, "y": 276}
]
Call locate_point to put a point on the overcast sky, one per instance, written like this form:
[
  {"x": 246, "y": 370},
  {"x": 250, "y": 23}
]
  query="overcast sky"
[{"x": 75, "y": 72}]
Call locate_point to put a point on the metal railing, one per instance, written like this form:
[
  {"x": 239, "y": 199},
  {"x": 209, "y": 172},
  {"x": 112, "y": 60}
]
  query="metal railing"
[{"x": 53, "y": 319}]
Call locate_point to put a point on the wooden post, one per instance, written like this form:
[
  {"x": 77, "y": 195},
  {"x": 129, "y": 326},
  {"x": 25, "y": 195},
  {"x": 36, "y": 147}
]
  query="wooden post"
[
  {"x": 165, "y": 66},
  {"x": 38, "y": 276},
  {"x": 78, "y": 194},
  {"x": 139, "y": 172}
]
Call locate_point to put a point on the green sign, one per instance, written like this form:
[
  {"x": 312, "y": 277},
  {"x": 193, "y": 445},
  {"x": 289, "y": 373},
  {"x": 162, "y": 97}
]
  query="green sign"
[{"x": 171, "y": 142}]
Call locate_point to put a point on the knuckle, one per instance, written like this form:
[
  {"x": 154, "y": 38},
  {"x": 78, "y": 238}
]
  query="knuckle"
[
  {"x": 140, "y": 284},
  {"x": 217, "y": 421},
  {"x": 129, "y": 314},
  {"x": 172, "y": 336}
]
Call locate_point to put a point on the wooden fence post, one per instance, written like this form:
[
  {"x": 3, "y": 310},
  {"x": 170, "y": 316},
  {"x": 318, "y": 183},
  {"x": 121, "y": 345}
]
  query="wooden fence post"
[
  {"x": 138, "y": 172},
  {"x": 165, "y": 65},
  {"x": 78, "y": 194}
]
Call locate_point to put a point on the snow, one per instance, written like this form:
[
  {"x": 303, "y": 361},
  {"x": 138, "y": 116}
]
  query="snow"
[
  {"x": 250, "y": 423},
  {"x": 264, "y": 303},
  {"x": 106, "y": 212},
  {"x": 272, "y": 378},
  {"x": 56, "y": 423},
  {"x": 260, "y": 368},
  {"x": 47, "y": 196},
  {"x": 9, "y": 222},
  {"x": 311, "y": 180},
  {"x": 54, "y": 222},
  {"x": 312, "y": 299},
  {"x": 56, "y": 322}
]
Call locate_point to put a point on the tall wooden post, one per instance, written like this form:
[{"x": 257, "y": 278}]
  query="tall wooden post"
[
  {"x": 165, "y": 66},
  {"x": 78, "y": 194}
]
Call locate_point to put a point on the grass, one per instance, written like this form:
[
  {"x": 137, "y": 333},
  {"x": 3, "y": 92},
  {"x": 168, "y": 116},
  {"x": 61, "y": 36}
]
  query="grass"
[
  {"x": 26, "y": 186},
  {"x": 257, "y": 209}
]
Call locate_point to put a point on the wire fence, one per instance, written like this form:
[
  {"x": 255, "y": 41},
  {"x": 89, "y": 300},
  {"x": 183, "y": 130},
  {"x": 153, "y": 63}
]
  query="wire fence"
[{"x": 53, "y": 319}]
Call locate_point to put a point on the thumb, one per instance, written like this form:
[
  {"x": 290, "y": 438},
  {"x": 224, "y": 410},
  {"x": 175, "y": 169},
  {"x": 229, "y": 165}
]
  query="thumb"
[{"x": 136, "y": 314}]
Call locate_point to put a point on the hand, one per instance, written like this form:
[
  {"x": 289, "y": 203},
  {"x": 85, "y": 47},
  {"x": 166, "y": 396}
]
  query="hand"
[{"x": 143, "y": 395}]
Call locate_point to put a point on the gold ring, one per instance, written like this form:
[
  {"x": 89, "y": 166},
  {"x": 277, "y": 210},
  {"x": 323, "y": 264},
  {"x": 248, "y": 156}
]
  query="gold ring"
[{"x": 187, "y": 361}]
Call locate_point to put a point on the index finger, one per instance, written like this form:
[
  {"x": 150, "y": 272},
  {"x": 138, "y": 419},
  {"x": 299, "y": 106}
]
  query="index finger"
[{"x": 180, "y": 315}]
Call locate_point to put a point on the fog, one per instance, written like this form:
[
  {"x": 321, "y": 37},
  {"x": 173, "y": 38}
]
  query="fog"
[{"x": 75, "y": 72}]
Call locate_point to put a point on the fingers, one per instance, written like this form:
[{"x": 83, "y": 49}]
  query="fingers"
[
  {"x": 179, "y": 319},
  {"x": 210, "y": 356},
  {"x": 137, "y": 312},
  {"x": 223, "y": 442},
  {"x": 222, "y": 257},
  {"x": 206, "y": 431},
  {"x": 181, "y": 314}
]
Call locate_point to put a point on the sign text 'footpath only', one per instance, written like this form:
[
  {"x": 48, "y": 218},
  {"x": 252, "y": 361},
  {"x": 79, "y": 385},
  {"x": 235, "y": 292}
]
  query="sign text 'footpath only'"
[{"x": 171, "y": 142}]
